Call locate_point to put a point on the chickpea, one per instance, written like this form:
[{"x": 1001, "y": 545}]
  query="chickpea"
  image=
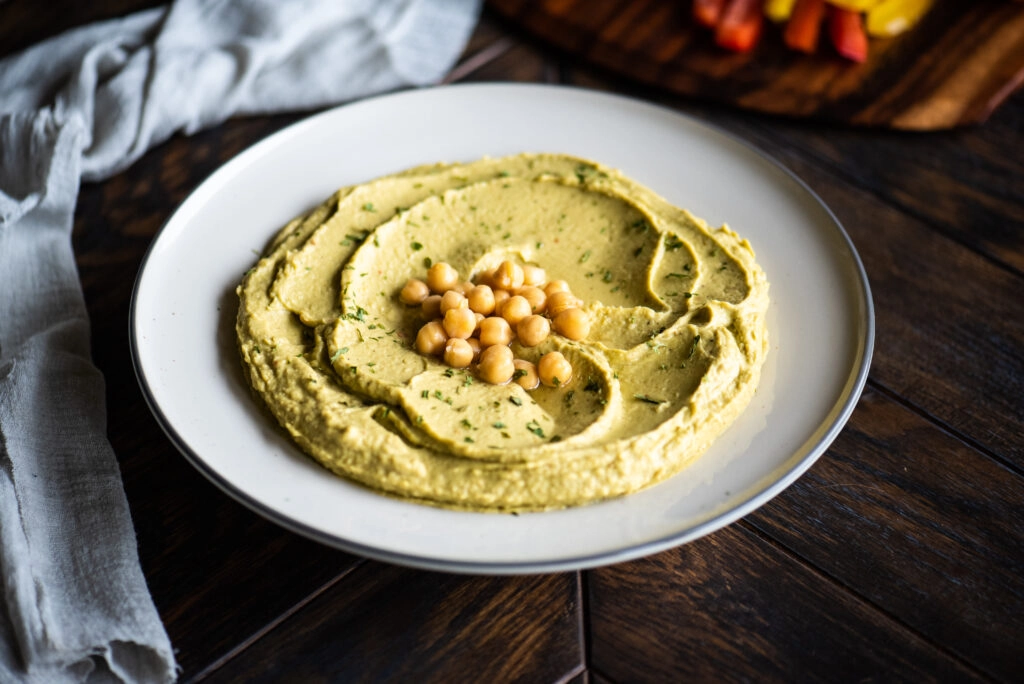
[
  {"x": 459, "y": 323},
  {"x": 500, "y": 297},
  {"x": 414, "y": 292},
  {"x": 465, "y": 287},
  {"x": 441, "y": 277},
  {"x": 508, "y": 276},
  {"x": 515, "y": 309},
  {"x": 496, "y": 365},
  {"x": 495, "y": 331},
  {"x": 556, "y": 286},
  {"x": 525, "y": 374},
  {"x": 533, "y": 275},
  {"x": 560, "y": 301},
  {"x": 533, "y": 330},
  {"x": 452, "y": 299},
  {"x": 475, "y": 346},
  {"x": 573, "y": 323},
  {"x": 432, "y": 306},
  {"x": 458, "y": 353},
  {"x": 554, "y": 369},
  {"x": 536, "y": 297},
  {"x": 481, "y": 299},
  {"x": 431, "y": 338}
]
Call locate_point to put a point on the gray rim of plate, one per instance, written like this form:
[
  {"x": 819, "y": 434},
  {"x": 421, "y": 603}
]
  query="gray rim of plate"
[{"x": 840, "y": 413}]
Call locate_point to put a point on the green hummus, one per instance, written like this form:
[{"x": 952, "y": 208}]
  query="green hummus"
[{"x": 673, "y": 356}]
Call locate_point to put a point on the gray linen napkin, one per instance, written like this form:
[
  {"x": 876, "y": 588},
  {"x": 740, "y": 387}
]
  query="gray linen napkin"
[{"x": 85, "y": 105}]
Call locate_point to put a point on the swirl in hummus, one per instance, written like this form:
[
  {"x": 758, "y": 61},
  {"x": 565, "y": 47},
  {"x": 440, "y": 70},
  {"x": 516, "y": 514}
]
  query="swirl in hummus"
[{"x": 674, "y": 353}]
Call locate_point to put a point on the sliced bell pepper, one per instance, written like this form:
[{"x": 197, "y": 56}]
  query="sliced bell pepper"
[
  {"x": 847, "y": 31},
  {"x": 804, "y": 26},
  {"x": 740, "y": 25},
  {"x": 778, "y": 10},
  {"x": 708, "y": 12},
  {"x": 858, "y": 5},
  {"x": 892, "y": 17}
]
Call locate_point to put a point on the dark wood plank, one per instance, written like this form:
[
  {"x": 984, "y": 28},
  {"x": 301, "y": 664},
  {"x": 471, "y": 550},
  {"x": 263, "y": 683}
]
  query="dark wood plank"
[
  {"x": 385, "y": 623},
  {"x": 955, "y": 67},
  {"x": 923, "y": 526},
  {"x": 966, "y": 183},
  {"x": 733, "y": 607}
]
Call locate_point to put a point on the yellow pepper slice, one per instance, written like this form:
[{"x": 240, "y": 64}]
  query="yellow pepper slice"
[
  {"x": 856, "y": 5},
  {"x": 892, "y": 17},
  {"x": 778, "y": 10}
]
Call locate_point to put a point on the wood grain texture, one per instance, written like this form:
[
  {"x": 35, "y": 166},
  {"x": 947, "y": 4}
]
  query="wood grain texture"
[
  {"x": 384, "y": 623},
  {"x": 733, "y": 607},
  {"x": 932, "y": 534},
  {"x": 954, "y": 68}
]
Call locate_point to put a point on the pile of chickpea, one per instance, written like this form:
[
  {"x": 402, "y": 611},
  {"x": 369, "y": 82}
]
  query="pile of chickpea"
[{"x": 475, "y": 322}]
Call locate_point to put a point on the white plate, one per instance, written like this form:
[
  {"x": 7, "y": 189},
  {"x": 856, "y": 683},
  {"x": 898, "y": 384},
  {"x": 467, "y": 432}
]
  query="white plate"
[{"x": 820, "y": 321}]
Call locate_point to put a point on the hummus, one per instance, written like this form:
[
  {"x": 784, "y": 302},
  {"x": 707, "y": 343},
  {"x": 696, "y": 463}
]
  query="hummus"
[{"x": 674, "y": 352}]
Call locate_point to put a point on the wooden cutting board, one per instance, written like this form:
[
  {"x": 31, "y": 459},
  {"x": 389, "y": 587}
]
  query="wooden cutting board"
[{"x": 954, "y": 68}]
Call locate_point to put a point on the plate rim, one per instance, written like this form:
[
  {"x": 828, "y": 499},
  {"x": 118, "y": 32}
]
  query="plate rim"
[{"x": 840, "y": 411}]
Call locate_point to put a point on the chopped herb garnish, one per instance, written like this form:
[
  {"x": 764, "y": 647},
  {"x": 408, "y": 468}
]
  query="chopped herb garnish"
[
  {"x": 448, "y": 372},
  {"x": 427, "y": 262},
  {"x": 520, "y": 373},
  {"x": 592, "y": 385},
  {"x": 466, "y": 424},
  {"x": 368, "y": 207},
  {"x": 586, "y": 255},
  {"x": 516, "y": 400},
  {"x": 467, "y": 439},
  {"x": 556, "y": 438},
  {"x": 607, "y": 277},
  {"x": 678, "y": 275},
  {"x": 438, "y": 395},
  {"x": 568, "y": 396},
  {"x": 503, "y": 174},
  {"x": 416, "y": 246},
  {"x": 649, "y": 400},
  {"x": 425, "y": 394},
  {"x": 693, "y": 347},
  {"x": 336, "y": 355},
  {"x": 535, "y": 427},
  {"x": 672, "y": 243},
  {"x": 499, "y": 425}
]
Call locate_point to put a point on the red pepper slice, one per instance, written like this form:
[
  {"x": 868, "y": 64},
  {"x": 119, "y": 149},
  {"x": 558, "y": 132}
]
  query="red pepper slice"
[
  {"x": 708, "y": 12},
  {"x": 847, "y": 31},
  {"x": 804, "y": 25},
  {"x": 740, "y": 25}
]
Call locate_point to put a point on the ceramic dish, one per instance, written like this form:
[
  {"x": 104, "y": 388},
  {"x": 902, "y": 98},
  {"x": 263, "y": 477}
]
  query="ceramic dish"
[{"x": 820, "y": 321}]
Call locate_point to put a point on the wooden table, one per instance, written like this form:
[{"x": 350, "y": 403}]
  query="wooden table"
[{"x": 898, "y": 556}]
